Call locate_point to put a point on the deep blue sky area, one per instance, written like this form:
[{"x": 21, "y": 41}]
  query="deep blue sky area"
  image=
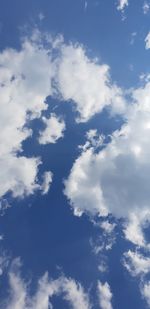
[{"x": 42, "y": 229}]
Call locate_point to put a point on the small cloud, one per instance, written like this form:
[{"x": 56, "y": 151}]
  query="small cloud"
[
  {"x": 133, "y": 36},
  {"x": 41, "y": 16},
  {"x": 105, "y": 295},
  {"x": 4, "y": 205},
  {"x": 122, "y": 4},
  {"x": 47, "y": 180},
  {"x": 85, "y": 5},
  {"x": 146, "y": 7},
  {"x": 147, "y": 41},
  {"x": 53, "y": 131}
]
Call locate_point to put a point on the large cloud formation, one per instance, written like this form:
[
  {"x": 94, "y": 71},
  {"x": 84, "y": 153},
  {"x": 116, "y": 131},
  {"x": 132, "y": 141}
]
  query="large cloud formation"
[
  {"x": 24, "y": 88},
  {"x": 113, "y": 178},
  {"x": 42, "y": 67}
]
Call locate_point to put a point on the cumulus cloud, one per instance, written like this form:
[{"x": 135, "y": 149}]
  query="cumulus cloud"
[
  {"x": 25, "y": 83},
  {"x": 28, "y": 76},
  {"x": 54, "y": 128},
  {"x": 67, "y": 288},
  {"x": 136, "y": 263},
  {"x": 86, "y": 83},
  {"x": 122, "y": 4},
  {"x": 134, "y": 228},
  {"x": 115, "y": 179},
  {"x": 105, "y": 295}
]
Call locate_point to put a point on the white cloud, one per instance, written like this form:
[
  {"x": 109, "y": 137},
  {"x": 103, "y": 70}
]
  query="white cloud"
[
  {"x": 107, "y": 226},
  {"x": 105, "y": 295},
  {"x": 147, "y": 41},
  {"x": 25, "y": 83},
  {"x": 47, "y": 180},
  {"x": 28, "y": 76},
  {"x": 122, "y": 4},
  {"x": 134, "y": 228},
  {"x": 146, "y": 7},
  {"x": 86, "y": 83},
  {"x": 116, "y": 179},
  {"x": 145, "y": 290},
  {"x": 68, "y": 289},
  {"x": 136, "y": 263},
  {"x": 54, "y": 128}
]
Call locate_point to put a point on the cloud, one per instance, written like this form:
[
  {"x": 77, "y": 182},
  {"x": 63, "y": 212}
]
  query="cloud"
[
  {"x": 134, "y": 228},
  {"x": 147, "y": 41},
  {"x": 136, "y": 263},
  {"x": 66, "y": 288},
  {"x": 115, "y": 179},
  {"x": 146, "y": 7},
  {"x": 105, "y": 295},
  {"x": 86, "y": 83},
  {"x": 145, "y": 290},
  {"x": 42, "y": 67},
  {"x": 54, "y": 128},
  {"x": 25, "y": 83},
  {"x": 133, "y": 37},
  {"x": 122, "y": 4},
  {"x": 47, "y": 180}
]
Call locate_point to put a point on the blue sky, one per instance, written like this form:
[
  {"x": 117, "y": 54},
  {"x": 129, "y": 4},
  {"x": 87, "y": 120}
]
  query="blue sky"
[{"x": 74, "y": 154}]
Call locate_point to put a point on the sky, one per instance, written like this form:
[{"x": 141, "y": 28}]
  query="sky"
[{"x": 74, "y": 154}]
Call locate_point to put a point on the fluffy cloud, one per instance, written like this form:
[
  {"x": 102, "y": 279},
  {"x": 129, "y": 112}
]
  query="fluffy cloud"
[
  {"x": 28, "y": 76},
  {"x": 105, "y": 295},
  {"x": 115, "y": 179},
  {"x": 20, "y": 298},
  {"x": 87, "y": 83},
  {"x": 134, "y": 228},
  {"x": 25, "y": 83},
  {"x": 122, "y": 4},
  {"x": 136, "y": 263},
  {"x": 54, "y": 128}
]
